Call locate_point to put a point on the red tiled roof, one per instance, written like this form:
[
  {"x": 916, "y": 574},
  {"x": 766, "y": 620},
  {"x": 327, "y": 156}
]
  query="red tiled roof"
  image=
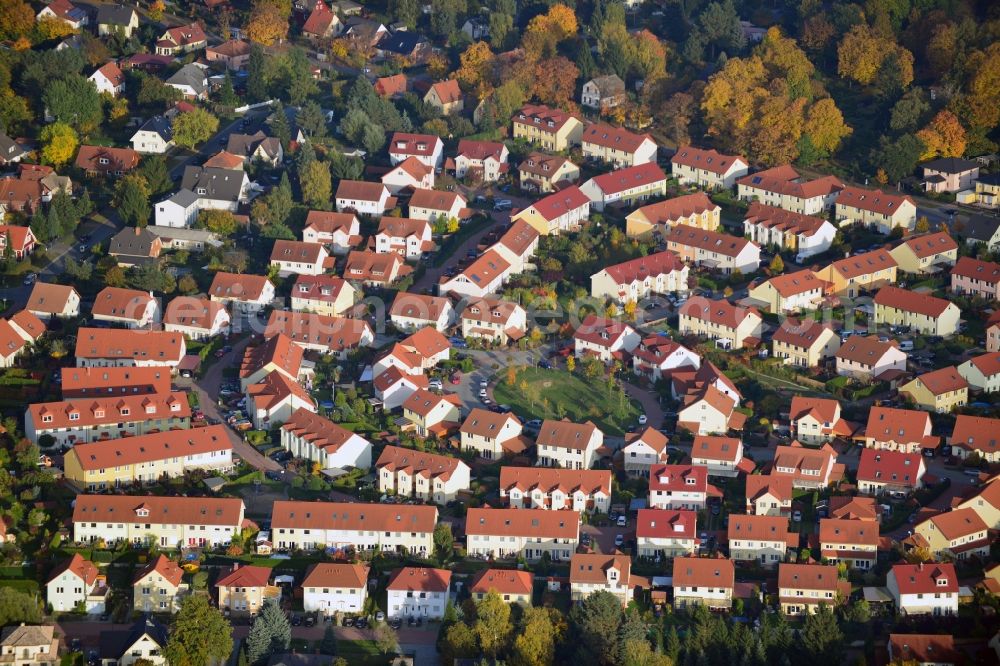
[
  {"x": 193, "y": 312},
  {"x": 617, "y": 138},
  {"x": 540, "y": 115},
  {"x": 800, "y": 333},
  {"x": 419, "y": 579},
  {"x": 760, "y": 528},
  {"x": 549, "y": 479},
  {"x": 799, "y": 282},
  {"x": 413, "y": 144},
  {"x": 337, "y": 574},
  {"x": 864, "y": 264},
  {"x": 559, "y": 203},
  {"x": 707, "y": 160},
  {"x": 238, "y": 287},
  {"x": 165, "y": 567},
  {"x": 772, "y": 217},
  {"x": 976, "y": 433},
  {"x": 958, "y": 523},
  {"x": 943, "y": 380},
  {"x": 318, "y": 430},
  {"x": 245, "y": 575},
  {"x": 435, "y": 199},
  {"x": 297, "y": 251},
  {"x": 666, "y": 524},
  {"x": 845, "y": 531},
  {"x": 161, "y": 510},
  {"x": 566, "y": 434},
  {"x": 593, "y": 567},
  {"x": 278, "y": 350},
  {"x": 353, "y": 516},
  {"x": 118, "y": 159},
  {"x": 620, "y": 180},
  {"x": 601, "y": 331},
  {"x": 149, "y": 448},
  {"x": 92, "y": 411},
  {"x": 447, "y": 91},
  {"x": 417, "y": 463},
  {"x": 680, "y": 207},
  {"x": 77, "y": 382},
  {"x": 910, "y": 301},
  {"x": 360, "y": 190},
  {"x": 721, "y": 312},
  {"x": 713, "y": 241},
  {"x": 715, "y": 448},
  {"x": 928, "y": 245},
  {"x": 898, "y": 425},
  {"x": 890, "y": 467},
  {"x": 716, "y": 572},
  {"x": 778, "y": 486},
  {"x": 923, "y": 578},
  {"x": 807, "y": 577},
  {"x": 923, "y": 648},
  {"x": 503, "y": 581},
  {"x": 84, "y": 569},
  {"x": 480, "y": 150},
  {"x": 387, "y": 86},
  {"x": 867, "y": 350},
  {"x": 119, "y": 344},
  {"x": 523, "y": 522},
  {"x": 972, "y": 268},
  {"x": 674, "y": 478},
  {"x": 875, "y": 201}
]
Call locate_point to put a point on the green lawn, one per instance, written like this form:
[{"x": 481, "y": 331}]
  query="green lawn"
[
  {"x": 555, "y": 394},
  {"x": 361, "y": 653}
]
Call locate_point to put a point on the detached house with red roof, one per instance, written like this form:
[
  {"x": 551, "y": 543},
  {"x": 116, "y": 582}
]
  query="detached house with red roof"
[
  {"x": 244, "y": 293},
  {"x": 182, "y": 39},
  {"x": 245, "y": 589},
  {"x": 410, "y": 312},
  {"x": 707, "y": 581},
  {"x": 427, "y": 148},
  {"x": 640, "y": 278},
  {"x": 875, "y": 208},
  {"x": 941, "y": 390},
  {"x": 762, "y": 539},
  {"x": 926, "y": 254},
  {"x": 923, "y": 313},
  {"x": 658, "y": 356},
  {"x": 363, "y": 198},
  {"x": 731, "y": 326},
  {"x": 104, "y": 161},
  {"x": 66, "y": 12},
  {"x": 713, "y": 250},
  {"x": 429, "y": 477},
  {"x": 595, "y": 572},
  {"x": 481, "y": 278},
  {"x": 626, "y": 186},
  {"x": 494, "y": 320},
  {"x": 317, "y": 438},
  {"x": 929, "y": 588},
  {"x": 565, "y": 210},
  {"x": 976, "y": 277},
  {"x": 868, "y": 358},
  {"x": 955, "y": 535},
  {"x": 322, "y": 294},
  {"x": 905, "y": 430},
  {"x": 723, "y": 456},
  {"x": 159, "y": 587},
  {"x": 806, "y": 235},
  {"x": 546, "y": 173},
  {"x": 430, "y": 205},
  {"x": 792, "y": 292},
  {"x": 340, "y": 231},
  {"x": 322, "y": 333},
  {"x": 817, "y": 420},
  {"x": 678, "y": 487},
  {"x": 446, "y": 97},
  {"x": 482, "y": 161},
  {"x": 410, "y": 174},
  {"x": 710, "y": 411},
  {"x": 432, "y": 414},
  {"x": 606, "y": 339},
  {"x": 783, "y": 187},
  {"x": 418, "y": 592},
  {"x": 666, "y": 533},
  {"x": 22, "y": 240},
  {"x": 643, "y": 451},
  {"x": 274, "y": 399},
  {"x": 407, "y": 237},
  {"x": 74, "y": 583},
  {"x": 322, "y": 22},
  {"x": 298, "y": 258},
  {"x": 807, "y": 468},
  {"x": 374, "y": 269},
  {"x": 977, "y": 434},
  {"x": 803, "y": 587},
  {"x": 568, "y": 445},
  {"x": 924, "y": 649},
  {"x": 617, "y": 146},
  {"x": 890, "y": 472},
  {"x": 335, "y": 587},
  {"x": 769, "y": 495},
  {"x": 490, "y": 434},
  {"x": 694, "y": 210},
  {"x": 513, "y": 586},
  {"x": 853, "y": 276},
  {"x": 805, "y": 343},
  {"x": 109, "y": 79},
  {"x": 707, "y": 168},
  {"x": 556, "y": 489},
  {"x": 854, "y": 542}
]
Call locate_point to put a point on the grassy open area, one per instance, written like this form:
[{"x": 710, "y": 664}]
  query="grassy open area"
[
  {"x": 361, "y": 653},
  {"x": 557, "y": 394}
]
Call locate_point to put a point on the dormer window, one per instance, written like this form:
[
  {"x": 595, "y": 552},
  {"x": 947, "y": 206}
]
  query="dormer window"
[
  {"x": 142, "y": 512},
  {"x": 74, "y": 416}
]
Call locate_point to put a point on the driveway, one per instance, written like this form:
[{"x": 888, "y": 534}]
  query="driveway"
[{"x": 207, "y": 389}]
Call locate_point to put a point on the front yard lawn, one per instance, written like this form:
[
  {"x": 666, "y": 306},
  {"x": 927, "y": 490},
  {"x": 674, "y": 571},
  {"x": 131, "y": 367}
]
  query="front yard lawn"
[{"x": 557, "y": 394}]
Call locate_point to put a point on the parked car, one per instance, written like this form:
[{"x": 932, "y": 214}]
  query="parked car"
[
  {"x": 380, "y": 616},
  {"x": 643, "y": 419},
  {"x": 456, "y": 378},
  {"x": 619, "y": 540},
  {"x": 435, "y": 384}
]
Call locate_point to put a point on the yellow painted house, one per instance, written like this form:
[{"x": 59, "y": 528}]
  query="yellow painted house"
[
  {"x": 694, "y": 210},
  {"x": 552, "y": 129},
  {"x": 940, "y": 390},
  {"x": 923, "y": 313},
  {"x": 850, "y": 275},
  {"x": 926, "y": 254}
]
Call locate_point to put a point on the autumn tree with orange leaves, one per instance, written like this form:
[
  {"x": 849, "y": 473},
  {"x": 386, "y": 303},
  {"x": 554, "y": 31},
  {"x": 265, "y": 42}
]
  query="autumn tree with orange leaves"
[
  {"x": 546, "y": 31},
  {"x": 267, "y": 23},
  {"x": 944, "y": 136},
  {"x": 555, "y": 81},
  {"x": 476, "y": 69}
]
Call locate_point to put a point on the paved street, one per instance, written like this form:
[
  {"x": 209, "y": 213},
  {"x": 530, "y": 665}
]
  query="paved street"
[{"x": 207, "y": 389}]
